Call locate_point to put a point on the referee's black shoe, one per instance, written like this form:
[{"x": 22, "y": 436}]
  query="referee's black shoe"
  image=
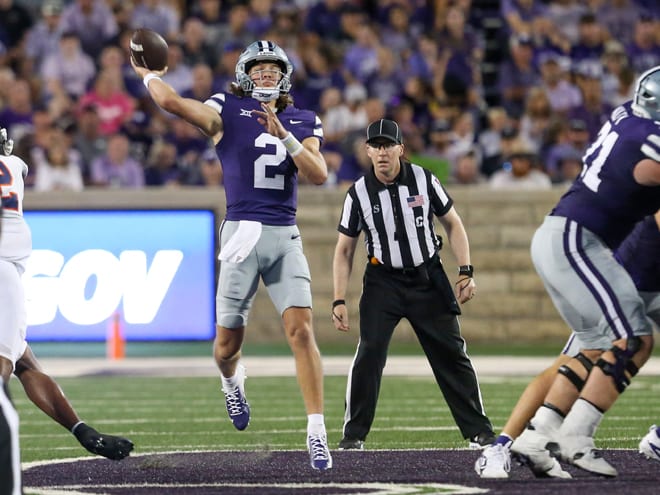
[
  {"x": 351, "y": 444},
  {"x": 482, "y": 440}
]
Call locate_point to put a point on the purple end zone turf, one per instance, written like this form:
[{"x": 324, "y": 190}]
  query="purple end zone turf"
[{"x": 239, "y": 473}]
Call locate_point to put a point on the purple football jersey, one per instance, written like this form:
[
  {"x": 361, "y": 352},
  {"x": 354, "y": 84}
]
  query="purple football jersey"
[
  {"x": 639, "y": 253},
  {"x": 605, "y": 198},
  {"x": 260, "y": 177}
]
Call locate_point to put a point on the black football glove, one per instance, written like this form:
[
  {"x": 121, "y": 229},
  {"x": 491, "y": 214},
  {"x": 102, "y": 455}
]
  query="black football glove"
[{"x": 115, "y": 448}]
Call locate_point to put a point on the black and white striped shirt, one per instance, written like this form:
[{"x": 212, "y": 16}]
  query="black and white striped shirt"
[{"x": 397, "y": 219}]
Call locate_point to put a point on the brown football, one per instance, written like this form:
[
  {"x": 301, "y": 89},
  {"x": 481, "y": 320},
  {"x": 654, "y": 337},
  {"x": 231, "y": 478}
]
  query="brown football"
[{"x": 148, "y": 49}]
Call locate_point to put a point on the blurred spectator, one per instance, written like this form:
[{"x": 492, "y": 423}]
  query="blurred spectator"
[
  {"x": 468, "y": 169},
  {"x": 196, "y": 50},
  {"x": 490, "y": 139},
  {"x": 565, "y": 16},
  {"x": 88, "y": 139},
  {"x": 286, "y": 20},
  {"x": 618, "y": 18},
  {"x": 398, "y": 34},
  {"x": 202, "y": 83},
  {"x": 141, "y": 129},
  {"x": 388, "y": 80},
  {"x": 162, "y": 165},
  {"x": 190, "y": 143},
  {"x": 322, "y": 73},
  {"x": 179, "y": 74},
  {"x": 644, "y": 50},
  {"x": 210, "y": 169},
  {"x": 361, "y": 57},
  {"x": 435, "y": 156},
  {"x": 335, "y": 115},
  {"x": 261, "y": 18},
  {"x": 618, "y": 78},
  {"x": 563, "y": 94},
  {"x": 591, "y": 42},
  {"x": 235, "y": 29},
  {"x": 92, "y": 22},
  {"x": 423, "y": 59},
  {"x": 116, "y": 168},
  {"x": 520, "y": 171},
  {"x": 323, "y": 21},
  {"x": 355, "y": 96},
  {"x": 211, "y": 13},
  {"x": 57, "y": 165},
  {"x": 43, "y": 38},
  {"x": 572, "y": 139},
  {"x": 462, "y": 137},
  {"x": 207, "y": 171},
  {"x": 522, "y": 16},
  {"x": 404, "y": 115},
  {"x": 418, "y": 93},
  {"x": 7, "y": 78},
  {"x": 69, "y": 70},
  {"x": 569, "y": 167},
  {"x": 536, "y": 119},
  {"x": 516, "y": 75},
  {"x": 224, "y": 69},
  {"x": 462, "y": 65},
  {"x": 16, "y": 116},
  {"x": 123, "y": 14},
  {"x": 115, "y": 58},
  {"x": 113, "y": 104},
  {"x": 593, "y": 110},
  {"x": 529, "y": 18},
  {"x": 156, "y": 15},
  {"x": 354, "y": 165},
  {"x": 375, "y": 109},
  {"x": 37, "y": 137},
  {"x": 15, "y": 21}
]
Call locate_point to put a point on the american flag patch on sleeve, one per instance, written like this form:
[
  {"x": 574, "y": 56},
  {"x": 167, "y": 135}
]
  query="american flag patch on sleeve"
[{"x": 414, "y": 201}]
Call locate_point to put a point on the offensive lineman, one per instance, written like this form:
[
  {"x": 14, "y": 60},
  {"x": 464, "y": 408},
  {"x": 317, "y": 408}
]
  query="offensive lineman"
[
  {"x": 572, "y": 252},
  {"x": 639, "y": 256},
  {"x": 15, "y": 354}
]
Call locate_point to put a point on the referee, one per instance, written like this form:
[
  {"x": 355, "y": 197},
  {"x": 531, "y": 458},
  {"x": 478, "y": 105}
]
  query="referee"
[{"x": 394, "y": 204}]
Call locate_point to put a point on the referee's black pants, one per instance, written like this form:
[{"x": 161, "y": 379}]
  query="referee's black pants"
[{"x": 387, "y": 297}]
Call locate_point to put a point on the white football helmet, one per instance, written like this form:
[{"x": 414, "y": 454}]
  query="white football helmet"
[
  {"x": 646, "y": 101},
  {"x": 6, "y": 143},
  {"x": 263, "y": 51}
]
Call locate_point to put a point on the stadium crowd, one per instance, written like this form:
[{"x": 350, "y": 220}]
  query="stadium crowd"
[{"x": 81, "y": 118}]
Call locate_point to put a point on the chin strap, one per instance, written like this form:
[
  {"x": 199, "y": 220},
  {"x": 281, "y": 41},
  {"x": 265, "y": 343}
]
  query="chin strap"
[{"x": 265, "y": 94}]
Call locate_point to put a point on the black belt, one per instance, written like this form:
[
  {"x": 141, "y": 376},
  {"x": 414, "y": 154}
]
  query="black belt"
[{"x": 407, "y": 271}]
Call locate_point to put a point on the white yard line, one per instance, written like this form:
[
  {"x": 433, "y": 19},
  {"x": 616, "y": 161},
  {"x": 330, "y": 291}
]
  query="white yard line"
[{"x": 284, "y": 366}]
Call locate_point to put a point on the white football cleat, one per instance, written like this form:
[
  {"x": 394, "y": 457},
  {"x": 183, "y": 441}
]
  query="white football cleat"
[
  {"x": 530, "y": 449},
  {"x": 582, "y": 452},
  {"x": 494, "y": 462},
  {"x": 649, "y": 446}
]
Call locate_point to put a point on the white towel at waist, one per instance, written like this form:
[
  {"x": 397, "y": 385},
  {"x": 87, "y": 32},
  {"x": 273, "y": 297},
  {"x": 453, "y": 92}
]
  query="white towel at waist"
[{"x": 241, "y": 243}]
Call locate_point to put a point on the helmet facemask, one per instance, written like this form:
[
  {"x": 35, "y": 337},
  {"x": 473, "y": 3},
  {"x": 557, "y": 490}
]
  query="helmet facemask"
[
  {"x": 6, "y": 143},
  {"x": 263, "y": 51}
]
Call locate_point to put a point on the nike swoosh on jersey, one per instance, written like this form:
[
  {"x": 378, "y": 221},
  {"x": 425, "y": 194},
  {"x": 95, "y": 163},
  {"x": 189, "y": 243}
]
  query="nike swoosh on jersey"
[{"x": 295, "y": 122}]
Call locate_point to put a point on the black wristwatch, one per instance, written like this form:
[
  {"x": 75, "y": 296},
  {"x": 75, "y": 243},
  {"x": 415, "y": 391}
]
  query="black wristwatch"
[{"x": 467, "y": 270}]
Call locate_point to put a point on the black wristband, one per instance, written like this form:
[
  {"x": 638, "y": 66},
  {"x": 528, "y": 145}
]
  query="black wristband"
[
  {"x": 338, "y": 302},
  {"x": 467, "y": 270}
]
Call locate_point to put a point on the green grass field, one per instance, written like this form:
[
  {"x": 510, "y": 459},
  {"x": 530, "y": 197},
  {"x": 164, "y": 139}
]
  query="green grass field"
[{"x": 184, "y": 414}]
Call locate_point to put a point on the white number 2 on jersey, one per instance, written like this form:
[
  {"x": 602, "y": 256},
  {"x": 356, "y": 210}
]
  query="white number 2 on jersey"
[
  {"x": 261, "y": 164},
  {"x": 601, "y": 148}
]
